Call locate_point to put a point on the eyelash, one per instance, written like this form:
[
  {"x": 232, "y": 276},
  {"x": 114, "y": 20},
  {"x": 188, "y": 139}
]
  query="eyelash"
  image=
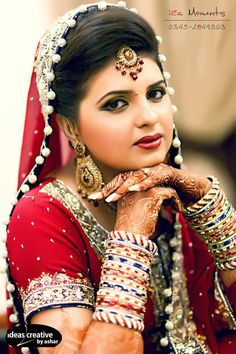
[{"x": 107, "y": 105}]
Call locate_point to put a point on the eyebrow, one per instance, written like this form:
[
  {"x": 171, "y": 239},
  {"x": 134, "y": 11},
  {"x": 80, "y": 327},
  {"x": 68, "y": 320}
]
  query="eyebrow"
[{"x": 125, "y": 92}]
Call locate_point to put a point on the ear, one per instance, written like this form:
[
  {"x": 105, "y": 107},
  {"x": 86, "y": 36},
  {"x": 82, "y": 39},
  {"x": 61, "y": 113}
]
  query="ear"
[{"x": 68, "y": 127}]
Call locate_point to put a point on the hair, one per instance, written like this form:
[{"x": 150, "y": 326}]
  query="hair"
[{"x": 91, "y": 44}]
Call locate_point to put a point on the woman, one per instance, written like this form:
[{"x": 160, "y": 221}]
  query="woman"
[{"x": 97, "y": 246}]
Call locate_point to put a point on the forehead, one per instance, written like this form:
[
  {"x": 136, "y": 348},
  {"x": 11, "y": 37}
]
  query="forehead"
[{"x": 110, "y": 79}]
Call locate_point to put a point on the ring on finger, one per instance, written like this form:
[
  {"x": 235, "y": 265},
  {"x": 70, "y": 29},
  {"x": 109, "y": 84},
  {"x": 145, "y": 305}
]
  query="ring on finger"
[
  {"x": 147, "y": 171},
  {"x": 125, "y": 175}
]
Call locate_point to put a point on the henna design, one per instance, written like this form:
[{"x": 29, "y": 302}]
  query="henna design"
[
  {"x": 80, "y": 336},
  {"x": 138, "y": 212},
  {"x": 72, "y": 335},
  {"x": 113, "y": 185},
  {"x": 112, "y": 339},
  {"x": 190, "y": 187}
]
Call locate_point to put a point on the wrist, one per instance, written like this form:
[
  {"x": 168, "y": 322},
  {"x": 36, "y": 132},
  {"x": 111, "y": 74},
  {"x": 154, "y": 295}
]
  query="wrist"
[
  {"x": 125, "y": 277},
  {"x": 214, "y": 219}
]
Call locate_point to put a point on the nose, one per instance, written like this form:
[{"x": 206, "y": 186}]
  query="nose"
[{"x": 146, "y": 114}]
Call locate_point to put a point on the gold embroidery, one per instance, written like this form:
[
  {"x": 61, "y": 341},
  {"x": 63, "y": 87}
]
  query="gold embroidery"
[
  {"x": 96, "y": 234},
  {"x": 58, "y": 290},
  {"x": 224, "y": 308}
]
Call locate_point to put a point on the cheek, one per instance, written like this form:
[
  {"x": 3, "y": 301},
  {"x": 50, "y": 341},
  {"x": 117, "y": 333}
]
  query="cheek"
[
  {"x": 102, "y": 136},
  {"x": 166, "y": 119}
]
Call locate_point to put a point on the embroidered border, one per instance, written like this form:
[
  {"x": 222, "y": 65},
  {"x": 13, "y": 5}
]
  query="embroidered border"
[
  {"x": 224, "y": 309},
  {"x": 58, "y": 290},
  {"x": 96, "y": 234}
]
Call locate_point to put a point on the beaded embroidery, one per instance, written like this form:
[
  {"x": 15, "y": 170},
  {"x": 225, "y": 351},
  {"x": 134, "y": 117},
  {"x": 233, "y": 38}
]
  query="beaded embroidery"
[
  {"x": 224, "y": 307},
  {"x": 58, "y": 290}
]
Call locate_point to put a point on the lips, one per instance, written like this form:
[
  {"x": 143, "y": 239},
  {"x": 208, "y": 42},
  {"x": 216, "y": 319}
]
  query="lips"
[{"x": 149, "y": 139}]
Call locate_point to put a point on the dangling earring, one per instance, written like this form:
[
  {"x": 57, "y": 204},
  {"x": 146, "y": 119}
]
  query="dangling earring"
[{"x": 88, "y": 176}]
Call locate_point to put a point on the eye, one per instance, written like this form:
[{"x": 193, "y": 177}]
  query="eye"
[
  {"x": 114, "y": 105},
  {"x": 156, "y": 94}
]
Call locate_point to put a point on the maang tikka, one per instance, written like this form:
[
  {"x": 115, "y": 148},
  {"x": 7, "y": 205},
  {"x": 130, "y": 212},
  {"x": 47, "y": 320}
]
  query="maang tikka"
[{"x": 128, "y": 60}]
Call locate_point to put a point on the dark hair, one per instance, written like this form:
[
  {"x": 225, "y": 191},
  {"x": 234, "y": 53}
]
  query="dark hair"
[{"x": 91, "y": 44}]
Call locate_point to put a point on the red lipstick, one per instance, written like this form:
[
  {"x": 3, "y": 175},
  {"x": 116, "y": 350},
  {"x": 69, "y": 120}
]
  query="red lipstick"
[{"x": 149, "y": 142}]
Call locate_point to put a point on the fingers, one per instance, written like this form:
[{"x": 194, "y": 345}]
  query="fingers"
[
  {"x": 144, "y": 185},
  {"x": 133, "y": 178},
  {"x": 159, "y": 175},
  {"x": 110, "y": 187},
  {"x": 168, "y": 196},
  {"x": 140, "y": 180}
]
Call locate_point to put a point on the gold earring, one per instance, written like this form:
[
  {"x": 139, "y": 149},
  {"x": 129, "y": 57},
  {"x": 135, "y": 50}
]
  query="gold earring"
[{"x": 88, "y": 176}]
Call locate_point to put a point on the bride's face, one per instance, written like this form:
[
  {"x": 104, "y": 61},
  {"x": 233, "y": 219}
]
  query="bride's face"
[{"x": 117, "y": 112}]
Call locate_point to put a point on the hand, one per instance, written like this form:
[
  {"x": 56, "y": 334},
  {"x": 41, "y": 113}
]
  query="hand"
[
  {"x": 190, "y": 187},
  {"x": 138, "y": 212}
]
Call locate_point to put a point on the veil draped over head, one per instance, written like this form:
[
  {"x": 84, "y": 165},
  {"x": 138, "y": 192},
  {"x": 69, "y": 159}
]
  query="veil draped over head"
[
  {"x": 44, "y": 147},
  {"x": 33, "y": 136}
]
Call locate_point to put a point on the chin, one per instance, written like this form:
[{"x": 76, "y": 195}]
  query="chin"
[{"x": 151, "y": 162}]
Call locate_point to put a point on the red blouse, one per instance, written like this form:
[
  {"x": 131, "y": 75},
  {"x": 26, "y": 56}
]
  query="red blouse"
[{"x": 49, "y": 250}]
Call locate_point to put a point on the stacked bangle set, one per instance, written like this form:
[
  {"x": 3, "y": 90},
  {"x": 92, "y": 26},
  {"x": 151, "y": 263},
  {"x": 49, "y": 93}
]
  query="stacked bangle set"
[
  {"x": 214, "y": 219},
  {"x": 122, "y": 293},
  {"x": 126, "y": 268}
]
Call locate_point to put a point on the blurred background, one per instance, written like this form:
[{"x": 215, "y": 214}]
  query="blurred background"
[{"x": 201, "y": 60}]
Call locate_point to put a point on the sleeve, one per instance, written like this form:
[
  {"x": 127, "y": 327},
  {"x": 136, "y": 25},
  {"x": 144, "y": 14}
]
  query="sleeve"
[
  {"x": 205, "y": 288},
  {"x": 47, "y": 256}
]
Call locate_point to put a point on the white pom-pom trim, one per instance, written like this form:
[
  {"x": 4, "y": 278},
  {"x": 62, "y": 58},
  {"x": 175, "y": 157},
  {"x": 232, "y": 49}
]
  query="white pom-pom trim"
[
  {"x": 83, "y": 9},
  {"x": 166, "y": 75},
  {"x": 178, "y": 159},
  {"x": 10, "y": 288},
  {"x": 47, "y": 130},
  {"x": 13, "y": 318},
  {"x": 159, "y": 39},
  {"x": 164, "y": 342},
  {"x": 9, "y": 303},
  {"x": 39, "y": 160},
  {"x": 56, "y": 58},
  {"x": 176, "y": 143},
  {"x": 50, "y": 76},
  {"x": 162, "y": 58},
  {"x": 169, "y": 309},
  {"x": 174, "y": 109},
  {"x": 14, "y": 201},
  {"x": 170, "y": 90},
  {"x": 46, "y": 152},
  {"x": 32, "y": 178},
  {"x": 24, "y": 188},
  {"x": 169, "y": 325},
  {"x": 61, "y": 42},
  {"x": 25, "y": 350},
  {"x": 121, "y": 4},
  {"x": 48, "y": 109},
  {"x": 71, "y": 22},
  {"x": 102, "y": 5},
  {"x": 167, "y": 292},
  {"x": 134, "y": 10},
  {"x": 51, "y": 95}
]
